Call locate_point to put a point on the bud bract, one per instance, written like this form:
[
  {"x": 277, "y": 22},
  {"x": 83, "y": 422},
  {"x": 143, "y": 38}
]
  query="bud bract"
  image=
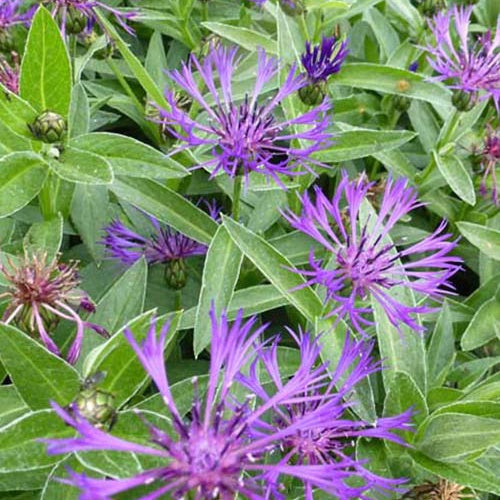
[
  {"x": 49, "y": 127},
  {"x": 313, "y": 94},
  {"x": 175, "y": 273},
  {"x": 96, "y": 406},
  {"x": 464, "y": 101}
]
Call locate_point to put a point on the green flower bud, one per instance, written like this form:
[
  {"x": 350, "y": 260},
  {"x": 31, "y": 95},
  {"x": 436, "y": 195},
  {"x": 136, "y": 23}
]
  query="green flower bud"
[
  {"x": 96, "y": 406},
  {"x": 175, "y": 274},
  {"x": 49, "y": 127},
  {"x": 463, "y": 101},
  {"x": 292, "y": 7},
  {"x": 6, "y": 41},
  {"x": 401, "y": 102},
  {"x": 76, "y": 21},
  {"x": 431, "y": 7},
  {"x": 312, "y": 94}
]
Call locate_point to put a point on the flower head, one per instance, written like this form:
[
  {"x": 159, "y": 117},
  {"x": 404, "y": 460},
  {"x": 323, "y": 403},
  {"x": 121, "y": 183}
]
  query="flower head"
[
  {"x": 10, "y": 13},
  {"x": 490, "y": 156},
  {"x": 221, "y": 449},
  {"x": 9, "y": 74},
  {"x": 245, "y": 136},
  {"x": 77, "y": 16},
  {"x": 321, "y": 61},
  {"x": 473, "y": 69},
  {"x": 363, "y": 263},
  {"x": 40, "y": 294},
  {"x": 332, "y": 443}
]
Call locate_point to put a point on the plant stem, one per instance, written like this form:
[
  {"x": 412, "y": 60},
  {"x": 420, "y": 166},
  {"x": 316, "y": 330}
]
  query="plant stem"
[
  {"x": 238, "y": 180},
  {"x": 452, "y": 125},
  {"x": 48, "y": 196}
]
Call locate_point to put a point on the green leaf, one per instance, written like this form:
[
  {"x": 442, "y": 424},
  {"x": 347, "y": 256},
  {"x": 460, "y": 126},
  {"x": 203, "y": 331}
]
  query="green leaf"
[
  {"x": 45, "y": 236},
  {"x": 386, "y": 79},
  {"x": 16, "y": 113},
  {"x": 79, "y": 166},
  {"x": 453, "y": 436},
  {"x": 167, "y": 206},
  {"x": 457, "y": 177},
  {"x": 89, "y": 213},
  {"x": 441, "y": 352},
  {"x": 12, "y": 405},
  {"x": 252, "y": 300},
  {"x": 21, "y": 177},
  {"x": 220, "y": 274},
  {"x": 486, "y": 239},
  {"x": 484, "y": 326},
  {"x": 465, "y": 473},
  {"x": 359, "y": 143},
  {"x": 130, "y": 157},
  {"x": 124, "y": 300},
  {"x": 79, "y": 115},
  {"x": 385, "y": 34},
  {"x": 244, "y": 37},
  {"x": 273, "y": 265},
  {"x": 20, "y": 446},
  {"x": 39, "y": 376},
  {"x": 45, "y": 80},
  {"x": 54, "y": 489},
  {"x": 125, "y": 373}
]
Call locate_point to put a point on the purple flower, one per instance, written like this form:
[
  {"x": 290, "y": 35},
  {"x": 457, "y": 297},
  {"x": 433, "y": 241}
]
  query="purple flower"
[
  {"x": 40, "y": 294},
  {"x": 472, "y": 68},
  {"x": 490, "y": 155},
  {"x": 10, "y": 14},
  {"x": 321, "y": 61},
  {"x": 221, "y": 449},
  {"x": 330, "y": 444},
  {"x": 9, "y": 74},
  {"x": 245, "y": 136},
  {"x": 363, "y": 264},
  {"x": 80, "y": 15}
]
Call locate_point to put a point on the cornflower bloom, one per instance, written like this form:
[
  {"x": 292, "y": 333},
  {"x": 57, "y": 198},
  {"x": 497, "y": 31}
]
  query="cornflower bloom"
[
  {"x": 330, "y": 444},
  {"x": 10, "y": 13},
  {"x": 247, "y": 136},
  {"x": 319, "y": 62},
  {"x": 490, "y": 156},
  {"x": 40, "y": 294},
  {"x": 472, "y": 69},
  {"x": 77, "y": 16},
  {"x": 9, "y": 74},
  {"x": 213, "y": 453},
  {"x": 363, "y": 264}
]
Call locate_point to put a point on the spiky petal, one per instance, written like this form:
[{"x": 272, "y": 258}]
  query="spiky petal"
[
  {"x": 9, "y": 74},
  {"x": 10, "y": 13},
  {"x": 490, "y": 157},
  {"x": 245, "y": 136},
  {"x": 363, "y": 263}
]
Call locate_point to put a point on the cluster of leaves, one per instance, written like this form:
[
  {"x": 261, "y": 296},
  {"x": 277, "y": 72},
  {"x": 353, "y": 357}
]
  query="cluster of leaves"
[{"x": 113, "y": 158}]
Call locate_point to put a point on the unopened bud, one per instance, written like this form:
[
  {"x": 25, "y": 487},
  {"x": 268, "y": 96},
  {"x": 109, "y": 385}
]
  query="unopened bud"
[
  {"x": 464, "y": 101},
  {"x": 312, "y": 94},
  {"x": 49, "y": 127},
  {"x": 75, "y": 20},
  {"x": 175, "y": 274}
]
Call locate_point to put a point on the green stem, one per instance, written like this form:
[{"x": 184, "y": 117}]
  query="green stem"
[
  {"x": 178, "y": 300},
  {"x": 204, "y": 11},
  {"x": 451, "y": 126},
  {"x": 238, "y": 180},
  {"x": 125, "y": 85},
  {"x": 48, "y": 196},
  {"x": 303, "y": 26},
  {"x": 73, "y": 55}
]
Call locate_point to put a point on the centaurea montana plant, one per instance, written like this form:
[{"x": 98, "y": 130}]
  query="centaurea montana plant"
[
  {"x": 319, "y": 63},
  {"x": 220, "y": 449},
  {"x": 245, "y": 135},
  {"x": 471, "y": 68},
  {"x": 76, "y": 16},
  {"x": 40, "y": 293},
  {"x": 363, "y": 264},
  {"x": 332, "y": 443}
]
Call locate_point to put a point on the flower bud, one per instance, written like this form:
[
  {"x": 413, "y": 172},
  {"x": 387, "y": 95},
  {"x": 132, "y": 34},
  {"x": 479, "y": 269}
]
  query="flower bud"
[
  {"x": 96, "y": 406},
  {"x": 292, "y": 7},
  {"x": 401, "y": 102},
  {"x": 49, "y": 127},
  {"x": 75, "y": 20},
  {"x": 431, "y": 7},
  {"x": 175, "y": 274},
  {"x": 464, "y": 101},
  {"x": 312, "y": 94}
]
